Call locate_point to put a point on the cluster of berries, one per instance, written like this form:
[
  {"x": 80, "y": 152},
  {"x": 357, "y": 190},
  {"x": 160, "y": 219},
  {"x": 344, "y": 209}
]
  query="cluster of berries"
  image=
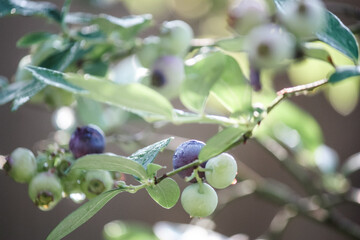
[
  {"x": 49, "y": 175},
  {"x": 271, "y": 39},
  {"x": 200, "y": 199}
]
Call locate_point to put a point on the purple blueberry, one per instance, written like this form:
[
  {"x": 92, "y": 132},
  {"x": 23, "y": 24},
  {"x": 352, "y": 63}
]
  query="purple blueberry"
[
  {"x": 186, "y": 153},
  {"x": 86, "y": 140},
  {"x": 167, "y": 75}
]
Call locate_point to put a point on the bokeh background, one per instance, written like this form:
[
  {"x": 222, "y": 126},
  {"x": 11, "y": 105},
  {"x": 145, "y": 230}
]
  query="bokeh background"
[{"x": 20, "y": 219}]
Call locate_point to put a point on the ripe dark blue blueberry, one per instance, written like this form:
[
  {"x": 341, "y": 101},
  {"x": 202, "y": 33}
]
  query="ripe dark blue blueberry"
[
  {"x": 86, "y": 140},
  {"x": 186, "y": 153}
]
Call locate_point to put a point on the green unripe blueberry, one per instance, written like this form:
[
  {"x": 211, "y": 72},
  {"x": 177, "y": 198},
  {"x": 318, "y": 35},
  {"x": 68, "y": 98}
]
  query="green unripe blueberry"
[
  {"x": 199, "y": 201},
  {"x": 149, "y": 51},
  {"x": 269, "y": 46},
  {"x": 45, "y": 190},
  {"x": 176, "y": 37},
  {"x": 96, "y": 182},
  {"x": 244, "y": 15},
  {"x": 21, "y": 165},
  {"x": 304, "y": 17},
  {"x": 71, "y": 181},
  {"x": 222, "y": 170}
]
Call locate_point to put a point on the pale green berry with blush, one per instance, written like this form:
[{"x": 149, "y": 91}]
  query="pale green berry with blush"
[
  {"x": 221, "y": 171},
  {"x": 244, "y": 15},
  {"x": 269, "y": 46},
  {"x": 21, "y": 165},
  {"x": 176, "y": 38},
  {"x": 149, "y": 51},
  {"x": 199, "y": 200},
  {"x": 304, "y": 17}
]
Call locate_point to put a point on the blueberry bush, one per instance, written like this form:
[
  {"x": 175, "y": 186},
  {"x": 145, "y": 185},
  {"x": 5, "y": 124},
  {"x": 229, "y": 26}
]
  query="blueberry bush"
[{"x": 108, "y": 73}]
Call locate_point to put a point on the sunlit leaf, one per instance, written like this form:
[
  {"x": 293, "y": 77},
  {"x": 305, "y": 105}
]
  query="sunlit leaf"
[
  {"x": 166, "y": 193},
  {"x": 232, "y": 89},
  {"x": 110, "y": 163},
  {"x": 221, "y": 142},
  {"x": 201, "y": 74}
]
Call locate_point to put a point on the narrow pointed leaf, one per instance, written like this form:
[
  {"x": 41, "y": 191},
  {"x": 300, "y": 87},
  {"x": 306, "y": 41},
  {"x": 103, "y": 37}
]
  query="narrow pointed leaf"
[
  {"x": 8, "y": 93},
  {"x": 81, "y": 215},
  {"x": 110, "y": 163},
  {"x": 221, "y": 142},
  {"x": 53, "y": 78},
  {"x": 25, "y": 93},
  {"x": 147, "y": 155},
  {"x": 133, "y": 97}
]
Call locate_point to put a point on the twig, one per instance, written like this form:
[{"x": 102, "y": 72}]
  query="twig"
[{"x": 295, "y": 91}]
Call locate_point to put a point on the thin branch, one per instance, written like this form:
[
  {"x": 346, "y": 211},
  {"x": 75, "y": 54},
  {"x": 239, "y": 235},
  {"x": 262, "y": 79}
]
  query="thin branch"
[{"x": 296, "y": 91}]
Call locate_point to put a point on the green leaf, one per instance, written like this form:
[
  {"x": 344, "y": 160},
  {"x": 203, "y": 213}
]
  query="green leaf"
[
  {"x": 335, "y": 33},
  {"x": 8, "y": 93},
  {"x": 26, "y": 92},
  {"x": 147, "y": 155},
  {"x": 201, "y": 74},
  {"x": 53, "y": 78},
  {"x": 127, "y": 27},
  {"x": 166, "y": 193},
  {"x": 317, "y": 52},
  {"x": 344, "y": 73},
  {"x": 232, "y": 89},
  {"x": 221, "y": 142},
  {"x": 81, "y": 215},
  {"x": 234, "y": 44},
  {"x": 59, "y": 61},
  {"x": 152, "y": 169},
  {"x": 110, "y": 163},
  {"x": 29, "y": 8},
  {"x": 32, "y": 38},
  {"x": 134, "y": 97}
]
